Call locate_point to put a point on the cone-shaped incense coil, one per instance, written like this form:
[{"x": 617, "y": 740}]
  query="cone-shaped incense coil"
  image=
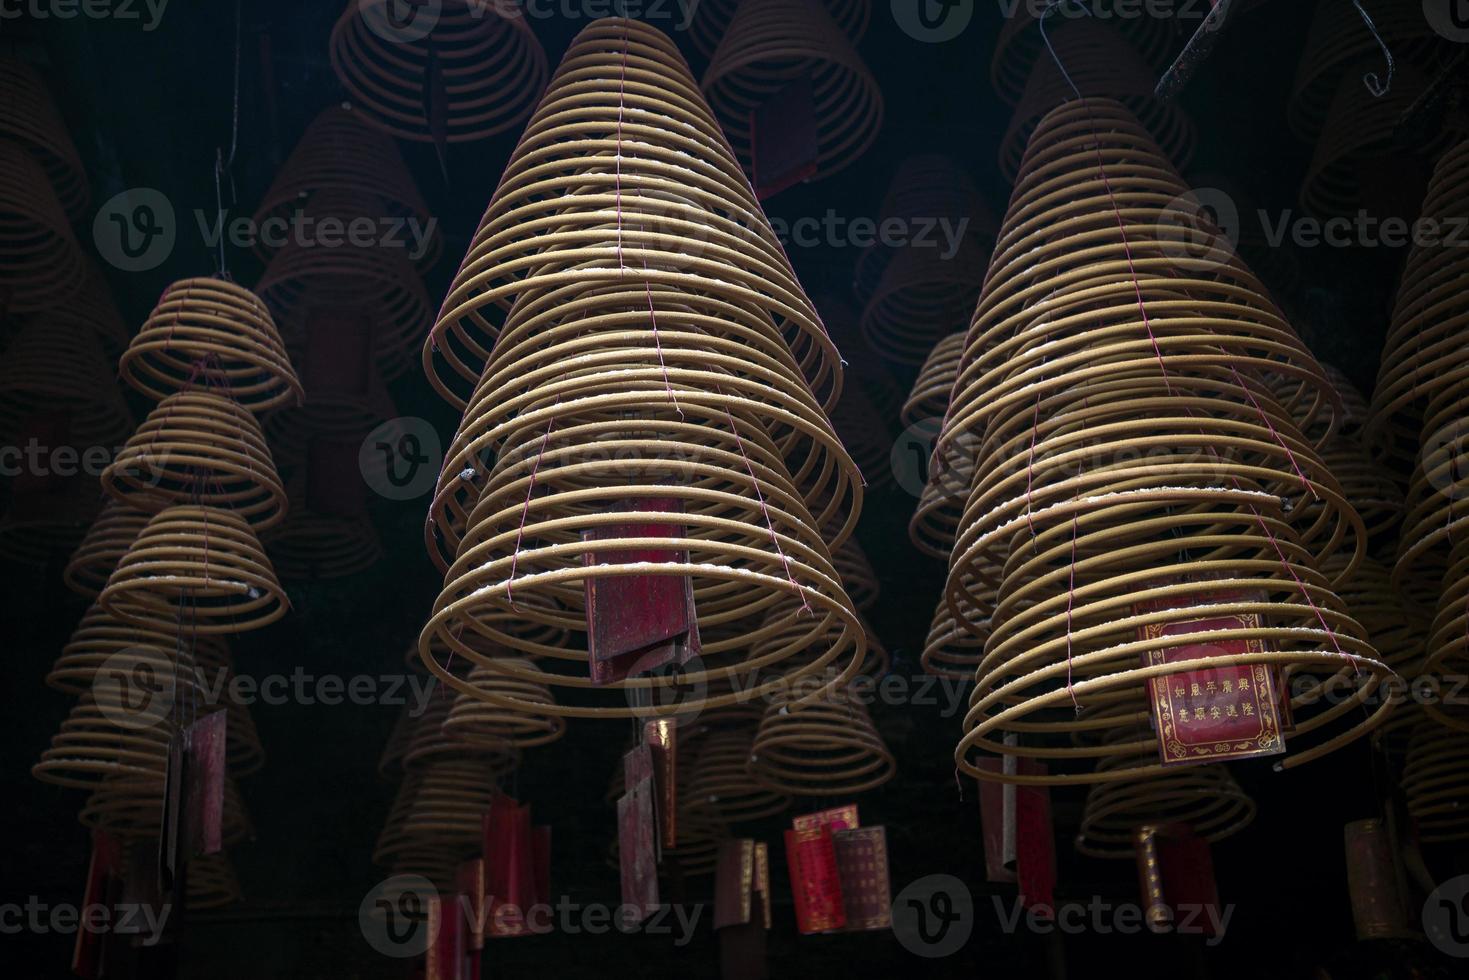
[
  {"x": 198, "y": 447},
  {"x": 244, "y": 753},
  {"x": 105, "y": 543},
  {"x": 198, "y": 568},
  {"x": 212, "y": 883},
  {"x": 102, "y": 639},
  {"x": 342, "y": 152},
  {"x": 480, "y": 719},
  {"x": 211, "y": 333},
  {"x": 721, "y": 779},
  {"x": 131, "y": 807},
  {"x": 710, "y": 20},
  {"x": 772, "y": 44},
  {"x": 470, "y": 67},
  {"x": 450, "y": 804},
  {"x": 826, "y": 747},
  {"x": 41, "y": 265},
  {"x": 1436, "y": 781},
  {"x": 1448, "y": 639},
  {"x": 950, "y": 650},
  {"x": 433, "y": 743},
  {"x": 32, "y": 121},
  {"x": 1206, "y": 798},
  {"x": 54, "y": 368},
  {"x": 624, "y": 178}
]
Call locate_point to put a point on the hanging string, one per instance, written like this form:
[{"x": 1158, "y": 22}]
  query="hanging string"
[
  {"x": 225, "y": 167},
  {"x": 1374, "y": 85},
  {"x": 525, "y": 509},
  {"x": 774, "y": 539}
]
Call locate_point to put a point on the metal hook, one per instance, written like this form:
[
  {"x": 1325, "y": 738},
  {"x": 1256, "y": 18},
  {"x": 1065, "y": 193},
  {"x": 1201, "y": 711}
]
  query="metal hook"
[{"x": 1370, "y": 79}]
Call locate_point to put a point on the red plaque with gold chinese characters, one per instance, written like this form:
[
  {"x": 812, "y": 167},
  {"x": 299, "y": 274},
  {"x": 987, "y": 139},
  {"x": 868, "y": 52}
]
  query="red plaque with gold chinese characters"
[{"x": 1211, "y": 714}]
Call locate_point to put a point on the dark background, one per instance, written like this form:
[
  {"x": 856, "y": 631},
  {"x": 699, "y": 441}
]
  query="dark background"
[{"x": 149, "y": 110}]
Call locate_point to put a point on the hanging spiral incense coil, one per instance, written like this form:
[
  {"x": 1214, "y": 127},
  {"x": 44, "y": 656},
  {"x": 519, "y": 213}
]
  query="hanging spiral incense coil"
[
  {"x": 926, "y": 189},
  {"x": 1437, "y": 512},
  {"x": 100, "y": 640},
  {"x": 864, "y": 432},
  {"x": 323, "y": 546},
  {"x": 478, "y": 64},
  {"x": 1020, "y": 51},
  {"x": 201, "y": 448},
  {"x": 720, "y": 778},
  {"x": 858, "y": 577},
  {"x": 197, "y": 566},
  {"x": 390, "y": 763},
  {"x": 819, "y": 748},
  {"x": 623, "y": 176},
  {"x": 106, "y": 541},
  {"x": 711, "y": 20},
  {"x": 53, "y": 370},
  {"x": 572, "y": 363},
  {"x": 336, "y": 413},
  {"x": 1436, "y": 782},
  {"x": 342, "y": 152},
  {"x": 769, "y": 45},
  {"x": 212, "y": 883},
  {"x": 1448, "y": 638},
  {"x": 1360, "y": 148},
  {"x": 477, "y": 720},
  {"x": 244, "y": 754},
  {"x": 1206, "y": 798},
  {"x": 1105, "y": 68},
  {"x": 378, "y": 283},
  {"x": 950, "y": 650},
  {"x": 929, "y": 398},
  {"x": 512, "y": 621},
  {"x": 433, "y": 742},
  {"x": 211, "y": 333},
  {"x": 123, "y": 723},
  {"x": 1425, "y": 347},
  {"x": 41, "y": 264},
  {"x": 1336, "y": 46},
  {"x": 921, "y": 294},
  {"x": 451, "y": 801},
  {"x": 131, "y": 808},
  {"x": 700, "y": 832},
  {"x": 32, "y": 121}
]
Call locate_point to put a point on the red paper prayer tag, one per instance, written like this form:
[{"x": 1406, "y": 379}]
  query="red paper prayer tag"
[
  {"x": 204, "y": 776},
  {"x": 783, "y": 138},
  {"x": 1216, "y": 713},
  {"x": 815, "y": 881}
]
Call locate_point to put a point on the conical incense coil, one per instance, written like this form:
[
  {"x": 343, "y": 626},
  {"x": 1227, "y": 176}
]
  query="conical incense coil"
[
  {"x": 710, "y": 21},
  {"x": 1426, "y": 346},
  {"x": 1437, "y": 517},
  {"x": 335, "y": 413},
  {"x": 451, "y": 801},
  {"x": 929, "y": 398},
  {"x": 131, "y": 807},
  {"x": 1106, "y": 68},
  {"x": 310, "y": 546},
  {"x": 1338, "y": 42},
  {"x": 826, "y": 747},
  {"x": 1206, "y": 798},
  {"x": 478, "y": 64},
  {"x": 623, "y": 177},
  {"x": 244, "y": 754},
  {"x": 926, "y": 190},
  {"x": 105, "y": 543},
  {"x": 198, "y": 568},
  {"x": 30, "y": 119},
  {"x": 785, "y": 635},
  {"x": 769, "y": 45},
  {"x": 370, "y": 280},
  {"x": 390, "y": 763},
  {"x": 92, "y": 304},
  {"x": 390, "y": 840},
  {"x": 584, "y": 382},
  {"x": 433, "y": 743},
  {"x": 1448, "y": 638},
  {"x": 101, "y": 639},
  {"x": 41, "y": 265},
  {"x": 54, "y": 369},
  {"x": 123, "y": 724},
  {"x": 1085, "y": 167},
  {"x": 1361, "y": 147},
  {"x": 865, "y": 434},
  {"x": 720, "y": 778},
  {"x": 201, "y": 448},
  {"x": 950, "y": 650},
  {"x": 1436, "y": 782},
  {"x": 342, "y": 152},
  {"x": 211, "y": 333},
  {"x": 922, "y": 293},
  {"x": 212, "y": 883},
  {"x": 513, "y": 621},
  {"x": 700, "y": 832},
  {"x": 857, "y": 574},
  {"x": 475, "y": 719},
  {"x": 1020, "y": 50}
]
